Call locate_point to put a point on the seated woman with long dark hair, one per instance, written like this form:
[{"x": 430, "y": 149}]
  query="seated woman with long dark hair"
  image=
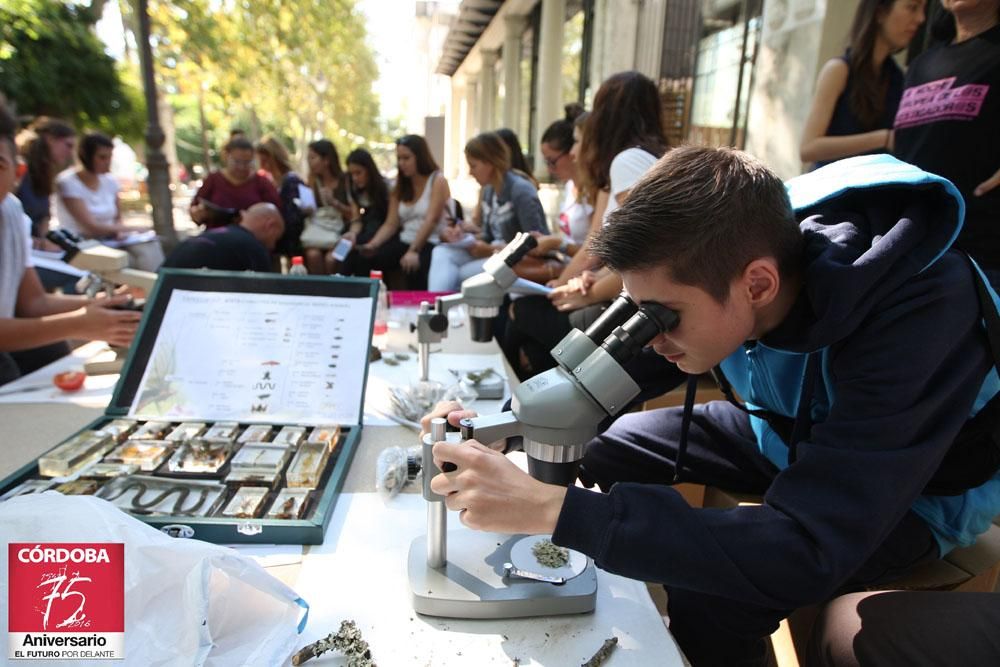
[
  {"x": 369, "y": 209},
  {"x": 622, "y": 138},
  {"x": 416, "y": 211}
]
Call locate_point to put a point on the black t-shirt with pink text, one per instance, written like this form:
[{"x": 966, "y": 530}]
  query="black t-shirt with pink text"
[{"x": 948, "y": 123}]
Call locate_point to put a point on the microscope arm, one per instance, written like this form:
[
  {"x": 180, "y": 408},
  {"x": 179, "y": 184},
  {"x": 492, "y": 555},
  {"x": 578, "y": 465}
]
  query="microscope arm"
[
  {"x": 491, "y": 428},
  {"x": 144, "y": 280},
  {"x": 445, "y": 303}
]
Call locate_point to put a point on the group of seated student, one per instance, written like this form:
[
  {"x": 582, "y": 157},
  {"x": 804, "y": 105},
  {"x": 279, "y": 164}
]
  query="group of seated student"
[
  {"x": 29, "y": 315},
  {"x": 869, "y": 428},
  {"x": 612, "y": 147}
]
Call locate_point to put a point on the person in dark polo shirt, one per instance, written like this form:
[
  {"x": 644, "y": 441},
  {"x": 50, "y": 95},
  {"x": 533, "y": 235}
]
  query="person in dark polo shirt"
[{"x": 243, "y": 246}]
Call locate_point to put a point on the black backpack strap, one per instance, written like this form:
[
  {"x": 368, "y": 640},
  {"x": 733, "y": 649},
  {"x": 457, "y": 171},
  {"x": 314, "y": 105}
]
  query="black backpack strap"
[
  {"x": 803, "y": 416},
  {"x": 689, "y": 396},
  {"x": 791, "y": 431},
  {"x": 780, "y": 424}
]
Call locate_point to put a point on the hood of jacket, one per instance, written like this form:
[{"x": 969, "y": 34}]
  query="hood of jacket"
[{"x": 870, "y": 223}]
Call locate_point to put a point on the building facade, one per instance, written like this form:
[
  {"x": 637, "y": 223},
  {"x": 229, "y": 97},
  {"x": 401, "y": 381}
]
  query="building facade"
[{"x": 731, "y": 72}]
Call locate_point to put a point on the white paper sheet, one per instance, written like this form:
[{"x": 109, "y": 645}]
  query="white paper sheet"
[
  {"x": 274, "y": 358},
  {"x": 307, "y": 198},
  {"x": 133, "y": 238}
]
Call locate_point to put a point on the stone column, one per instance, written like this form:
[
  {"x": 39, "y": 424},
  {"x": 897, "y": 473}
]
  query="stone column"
[
  {"x": 649, "y": 38},
  {"x": 471, "y": 109},
  {"x": 456, "y": 122},
  {"x": 513, "y": 30},
  {"x": 549, "y": 84},
  {"x": 487, "y": 90}
]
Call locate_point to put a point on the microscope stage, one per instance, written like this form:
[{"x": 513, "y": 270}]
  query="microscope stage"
[{"x": 472, "y": 585}]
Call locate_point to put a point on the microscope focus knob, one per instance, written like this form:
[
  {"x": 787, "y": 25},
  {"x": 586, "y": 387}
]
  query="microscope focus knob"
[{"x": 438, "y": 323}]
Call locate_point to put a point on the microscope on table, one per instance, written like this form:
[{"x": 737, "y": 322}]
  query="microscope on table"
[
  {"x": 488, "y": 575},
  {"x": 106, "y": 268},
  {"x": 483, "y": 294}
]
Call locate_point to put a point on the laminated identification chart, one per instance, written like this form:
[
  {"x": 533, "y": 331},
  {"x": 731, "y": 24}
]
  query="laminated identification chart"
[{"x": 271, "y": 358}]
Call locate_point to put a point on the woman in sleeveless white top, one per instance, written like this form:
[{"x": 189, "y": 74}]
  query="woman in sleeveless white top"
[
  {"x": 412, "y": 214},
  {"x": 417, "y": 207}
]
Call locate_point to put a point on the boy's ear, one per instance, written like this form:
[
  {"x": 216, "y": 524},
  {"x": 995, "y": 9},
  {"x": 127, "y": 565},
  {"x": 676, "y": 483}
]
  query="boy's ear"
[{"x": 761, "y": 281}]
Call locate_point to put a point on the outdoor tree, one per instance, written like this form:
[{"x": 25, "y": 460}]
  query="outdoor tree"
[
  {"x": 52, "y": 63},
  {"x": 299, "y": 68}
]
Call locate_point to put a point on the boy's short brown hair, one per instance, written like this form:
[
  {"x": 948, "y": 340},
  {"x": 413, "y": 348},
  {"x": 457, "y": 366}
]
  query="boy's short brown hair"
[{"x": 703, "y": 214}]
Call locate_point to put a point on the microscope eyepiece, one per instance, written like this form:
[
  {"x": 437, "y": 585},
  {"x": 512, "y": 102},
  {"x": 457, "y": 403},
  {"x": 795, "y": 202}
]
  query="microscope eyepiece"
[
  {"x": 67, "y": 240},
  {"x": 519, "y": 248},
  {"x": 627, "y": 340},
  {"x": 618, "y": 312}
]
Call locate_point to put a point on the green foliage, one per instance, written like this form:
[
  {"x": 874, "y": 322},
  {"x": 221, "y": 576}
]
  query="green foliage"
[
  {"x": 297, "y": 68},
  {"x": 52, "y": 63}
]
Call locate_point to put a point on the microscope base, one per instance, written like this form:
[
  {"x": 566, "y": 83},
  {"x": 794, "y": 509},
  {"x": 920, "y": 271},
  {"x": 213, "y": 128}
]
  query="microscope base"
[
  {"x": 472, "y": 585},
  {"x": 110, "y": 362}
]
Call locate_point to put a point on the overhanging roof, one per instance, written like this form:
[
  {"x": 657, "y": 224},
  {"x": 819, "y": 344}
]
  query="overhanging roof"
[{"x": 467, "y": 26}]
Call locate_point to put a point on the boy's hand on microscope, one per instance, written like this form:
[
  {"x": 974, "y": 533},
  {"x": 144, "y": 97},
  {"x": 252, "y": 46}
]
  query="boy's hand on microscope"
[
  {"x": 454, "y": 413},
  {"x": 451, "y": 410},
  {"x": 491, "y": 493}
]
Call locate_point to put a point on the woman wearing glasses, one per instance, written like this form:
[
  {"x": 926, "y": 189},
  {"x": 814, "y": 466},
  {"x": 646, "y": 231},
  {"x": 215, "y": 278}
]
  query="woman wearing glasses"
[
  {"x": 621, "y": 139},
  {"x": 559, "y": 145},
  {"x": 234, "y": 188}
]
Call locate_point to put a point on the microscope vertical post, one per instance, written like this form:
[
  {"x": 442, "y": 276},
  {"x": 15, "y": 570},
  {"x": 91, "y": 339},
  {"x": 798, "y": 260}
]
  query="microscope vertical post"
[
  {"x": 424, "y": 347},
  {"x": 437, "y": 513}
]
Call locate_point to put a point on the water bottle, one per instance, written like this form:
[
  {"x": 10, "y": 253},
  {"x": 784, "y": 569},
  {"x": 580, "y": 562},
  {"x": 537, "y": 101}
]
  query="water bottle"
[
  {"x": 297, "y": 268},
  {"x": 380, "y": 332}
]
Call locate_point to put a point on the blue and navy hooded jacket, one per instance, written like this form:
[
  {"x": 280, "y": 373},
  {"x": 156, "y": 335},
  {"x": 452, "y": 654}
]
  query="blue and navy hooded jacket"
[{"x": 905, "y": 361}]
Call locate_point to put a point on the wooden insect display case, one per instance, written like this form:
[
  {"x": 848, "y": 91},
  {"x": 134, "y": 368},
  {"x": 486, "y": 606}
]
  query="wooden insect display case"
[{"x": 237, "y": 413}]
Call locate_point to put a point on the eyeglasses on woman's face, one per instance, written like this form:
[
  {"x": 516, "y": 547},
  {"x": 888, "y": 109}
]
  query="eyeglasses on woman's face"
[{"x": 551, "y": 162}]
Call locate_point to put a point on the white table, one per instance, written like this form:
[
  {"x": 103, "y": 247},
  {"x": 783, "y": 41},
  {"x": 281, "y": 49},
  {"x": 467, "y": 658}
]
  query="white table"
[{"x": 359, "y": 572}]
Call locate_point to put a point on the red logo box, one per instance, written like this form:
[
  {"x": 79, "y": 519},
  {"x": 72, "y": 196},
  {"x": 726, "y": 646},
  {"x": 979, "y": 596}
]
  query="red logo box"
[{"x": 67, "y": 598}]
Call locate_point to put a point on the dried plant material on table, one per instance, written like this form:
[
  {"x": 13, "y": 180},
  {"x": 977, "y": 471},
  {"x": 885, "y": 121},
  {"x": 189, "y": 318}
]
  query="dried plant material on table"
[
  {"x": 550, "y": 555},
  {"x": 347, "y": 640},
  {"x": 602, "y": 654}
]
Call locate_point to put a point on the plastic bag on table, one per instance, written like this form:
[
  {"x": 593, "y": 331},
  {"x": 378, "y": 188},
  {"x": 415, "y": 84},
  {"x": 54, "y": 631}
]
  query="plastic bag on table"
[
  {"x": 187, "y": 602},
  {"x": 395, "y": 468}
]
